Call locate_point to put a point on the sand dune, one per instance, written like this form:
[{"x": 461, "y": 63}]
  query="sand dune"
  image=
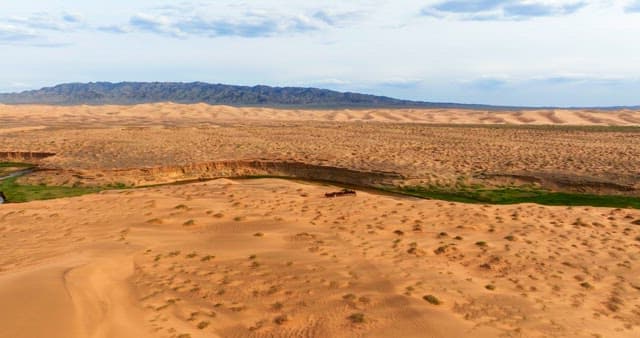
[
  {"x": 425, "y": 154},
  {"x": 275, "y": 258},
  {"x": 265, "y": 258},
  {"x": 168, "y": 113}
]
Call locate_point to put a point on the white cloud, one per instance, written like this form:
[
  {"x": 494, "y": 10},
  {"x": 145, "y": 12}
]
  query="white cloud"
[
  {"x": 495, "y": 10},
  {"x": 251, "y": 24},
  {"x": 13, "y": 34}
]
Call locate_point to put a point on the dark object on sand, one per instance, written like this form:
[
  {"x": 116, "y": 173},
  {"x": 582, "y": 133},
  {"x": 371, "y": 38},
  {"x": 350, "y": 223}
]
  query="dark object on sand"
[
  {"x": 3, "y": 198},
  {"x": 343, "y": 192}
]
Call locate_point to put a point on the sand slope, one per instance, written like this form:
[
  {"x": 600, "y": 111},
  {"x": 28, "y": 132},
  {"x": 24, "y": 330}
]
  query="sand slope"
[
  {"x": 274, "y": 258},
  {"x": 168, "y": 113}
]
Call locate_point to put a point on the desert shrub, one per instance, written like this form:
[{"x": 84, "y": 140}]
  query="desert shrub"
[
  {"x": 357, "y": 317},
  {"x": 349, "y": 297},
  {"x": 586, "y": 285},
  {"x": 440, "y": 250},
  {"x": 431, "y": 299},
  {"x": 281, "y": 319}
]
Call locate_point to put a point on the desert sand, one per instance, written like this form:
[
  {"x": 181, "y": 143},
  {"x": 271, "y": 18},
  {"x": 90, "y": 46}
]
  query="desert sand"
[
  {"x": 166, "y": 136},
  {"x": 168, "y": 113},
  {"x": 275, "y": 258}
]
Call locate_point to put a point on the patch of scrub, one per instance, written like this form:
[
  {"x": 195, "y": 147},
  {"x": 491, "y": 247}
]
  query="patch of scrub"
[
  {"x": 519, "y": 195},
  {"x": 17, "y": 193},
  {"x": 9, "y": 168}
]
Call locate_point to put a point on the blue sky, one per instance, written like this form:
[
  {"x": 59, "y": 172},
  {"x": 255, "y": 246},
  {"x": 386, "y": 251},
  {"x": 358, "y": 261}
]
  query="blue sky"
[{"x": 512, "y": 52}]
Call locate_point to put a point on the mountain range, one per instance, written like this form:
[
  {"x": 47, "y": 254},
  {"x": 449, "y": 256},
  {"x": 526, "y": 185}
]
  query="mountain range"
[{"x": 127, "y": 93}]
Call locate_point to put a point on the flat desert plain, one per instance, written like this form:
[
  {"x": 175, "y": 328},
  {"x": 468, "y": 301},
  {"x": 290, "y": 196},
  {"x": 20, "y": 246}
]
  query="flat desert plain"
[{"x": 271, "y": 257}]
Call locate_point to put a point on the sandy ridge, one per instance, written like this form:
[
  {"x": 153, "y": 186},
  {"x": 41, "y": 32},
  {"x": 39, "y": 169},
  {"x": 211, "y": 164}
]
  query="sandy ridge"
[{"x": 167, "y": 113}]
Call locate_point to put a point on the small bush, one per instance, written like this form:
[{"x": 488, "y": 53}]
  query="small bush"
[
  {"x": 281, "y": 319},
  {"x": 357, "y": 317},
  {"x": 349, "y": 297},
  {"x": 432, "y": 299},
  {"x": 586, "y": 285},
  {"x": 155, "y": 221},
  {"x": 440, "y": 250}
]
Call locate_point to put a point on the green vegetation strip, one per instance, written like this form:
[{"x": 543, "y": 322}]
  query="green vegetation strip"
[
  {"x": 17, "y": 193},
  {"x": 518, "y": 195},
  {"x": 15, "y": 165}
]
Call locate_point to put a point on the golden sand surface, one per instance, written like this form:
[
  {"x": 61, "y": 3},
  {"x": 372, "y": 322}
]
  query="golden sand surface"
[
  {"x": 167, "y": 113},
  {"x": 421, "y": 153},
  {"x": 275, "y": 258}
]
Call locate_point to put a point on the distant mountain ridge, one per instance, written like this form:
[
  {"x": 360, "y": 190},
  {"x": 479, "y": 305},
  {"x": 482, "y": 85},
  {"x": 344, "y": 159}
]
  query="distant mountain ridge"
[{"x": 126, "y": 93}]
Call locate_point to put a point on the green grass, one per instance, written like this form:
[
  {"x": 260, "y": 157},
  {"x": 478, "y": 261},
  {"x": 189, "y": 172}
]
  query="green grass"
[
  {"x": 520, "y": 195},
  {"x": 17, "y": 193},
  {"x": 7, "y": 168},
  {"x": 15, "y": 165}
]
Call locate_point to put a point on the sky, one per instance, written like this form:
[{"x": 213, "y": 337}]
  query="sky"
[{"x": 505, "y": 52}]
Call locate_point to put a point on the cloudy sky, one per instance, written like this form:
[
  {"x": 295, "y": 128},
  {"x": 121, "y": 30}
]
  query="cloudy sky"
[{"x": 513, "y": 52}]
